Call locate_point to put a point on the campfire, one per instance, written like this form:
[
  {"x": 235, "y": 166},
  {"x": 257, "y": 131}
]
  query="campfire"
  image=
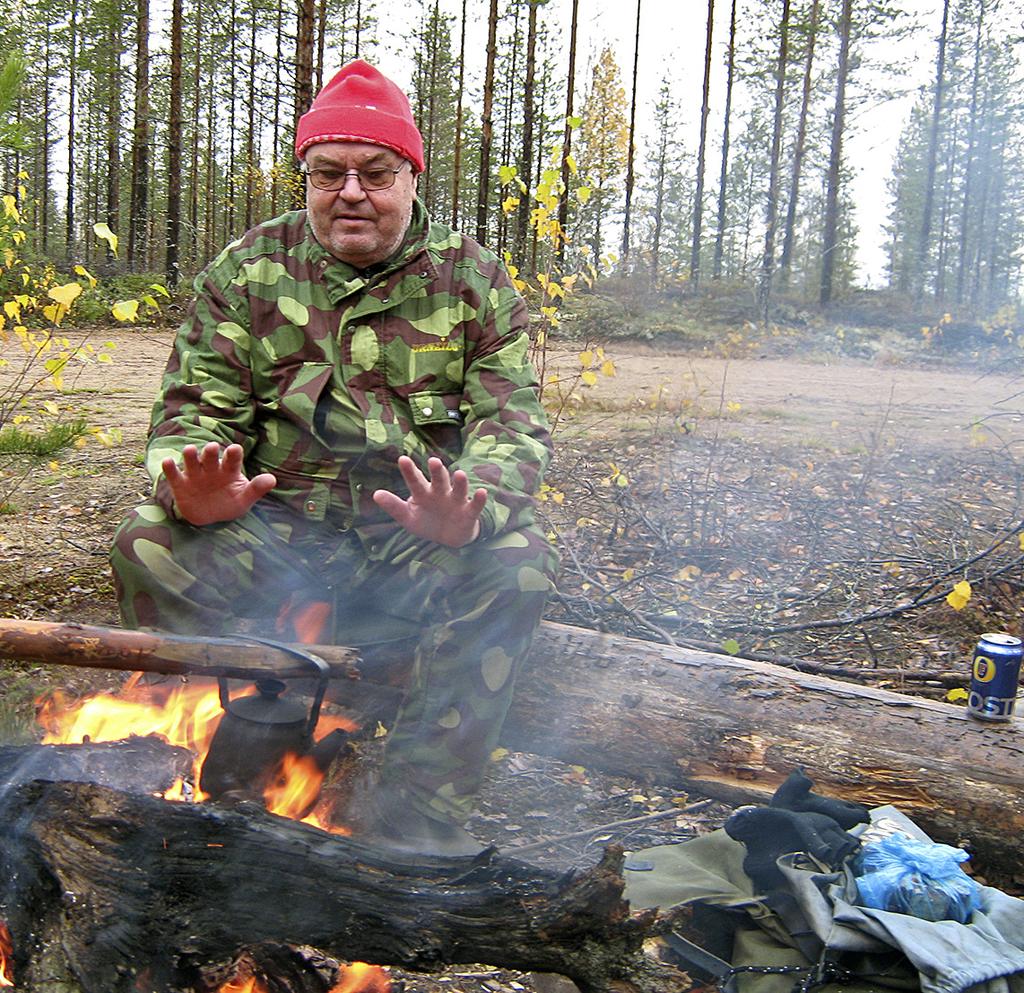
[
  {"x": 186, "y": 715},
  {"x": 6, "y": 949}
]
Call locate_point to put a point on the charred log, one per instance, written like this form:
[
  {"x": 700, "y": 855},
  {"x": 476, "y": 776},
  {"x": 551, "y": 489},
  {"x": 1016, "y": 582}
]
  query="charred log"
[
  {"x": 135, "y": 765},
  {"x": 136, "y": 890}
]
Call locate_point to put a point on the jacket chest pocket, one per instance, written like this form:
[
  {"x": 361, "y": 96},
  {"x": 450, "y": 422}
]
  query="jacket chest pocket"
[{"x": 419, "y": 361}]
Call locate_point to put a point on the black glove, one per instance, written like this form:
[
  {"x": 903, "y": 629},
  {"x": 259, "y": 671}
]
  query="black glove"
[
  {"x": 795, "y": 794},
  {"x": 768, "y": 833}
]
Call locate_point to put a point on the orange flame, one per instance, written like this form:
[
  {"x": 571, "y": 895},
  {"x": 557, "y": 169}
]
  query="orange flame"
[
  {"x": 6, "y": 952},
  {"x": 185, "y": 715},
  {"x": 236, "y": 985},
  {"x": 359, "y": 977}
]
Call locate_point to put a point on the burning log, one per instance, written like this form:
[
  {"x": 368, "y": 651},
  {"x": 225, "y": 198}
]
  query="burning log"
[
  {"x": 134, "y": 765},
  {"x": 141, "y": 893},
  {"x": 734, "y": 729}
]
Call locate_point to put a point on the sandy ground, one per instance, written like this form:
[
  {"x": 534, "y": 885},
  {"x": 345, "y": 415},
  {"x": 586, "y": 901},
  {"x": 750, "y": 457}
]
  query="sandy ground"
[{"x": 840, "y": 403}]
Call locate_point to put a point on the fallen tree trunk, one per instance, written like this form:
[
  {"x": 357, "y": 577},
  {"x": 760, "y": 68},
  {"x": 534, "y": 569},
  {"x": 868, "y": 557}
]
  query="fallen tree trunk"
[
  {"x": 733, "y": 729},
  {"x": 130, "y": 892}
]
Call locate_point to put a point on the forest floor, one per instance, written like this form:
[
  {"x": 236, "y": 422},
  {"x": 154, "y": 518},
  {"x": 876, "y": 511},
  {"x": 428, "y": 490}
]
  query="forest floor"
[{"x": 816, "y": 512}]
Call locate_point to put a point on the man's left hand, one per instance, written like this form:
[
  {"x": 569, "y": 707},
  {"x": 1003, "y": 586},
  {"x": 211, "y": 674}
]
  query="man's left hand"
[{"x": 439, "y": 508}]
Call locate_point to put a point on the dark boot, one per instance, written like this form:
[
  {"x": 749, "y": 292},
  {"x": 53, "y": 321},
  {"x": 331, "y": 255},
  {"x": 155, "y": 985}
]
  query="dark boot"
[{"x": 384, "y": 815}]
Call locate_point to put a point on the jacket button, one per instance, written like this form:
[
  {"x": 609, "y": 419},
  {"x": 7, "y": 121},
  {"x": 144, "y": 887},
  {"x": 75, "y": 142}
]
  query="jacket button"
[
  {"x": 311, "y": 505},
  {"x": 427, "y": 411}
]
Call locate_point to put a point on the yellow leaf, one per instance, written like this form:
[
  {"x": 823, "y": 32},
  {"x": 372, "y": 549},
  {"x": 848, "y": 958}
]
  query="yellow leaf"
[
  {"x": 628, "y": 574},
  {"x": 588, "y": 377},
  {"x": 12, "y": 309},
  {"x": 1020, "y": 540},
  {"x": 733, "y": 407},
  {"x": 379, "y": 731},
  {"x": 82, "y": 271},
  {"x": 586, "y": 359},
  {"x": 571, "y": 163},
  {"x": 125, "y": 310},
  {"x": 958, "y": 597},
  {"x": 957, "y": 694},
  {"x": 66, "y": 294},
  {"x": 54, "y": 312},
  {"x": 53, "y": 466},
  {"x": 50, "y": 407},
  {"x": 498, "y": 754},
  {"x": 101, "y": 230},
  {"x": 509, "y": 204},
  {"x": 558, "y": 497},
  {"x": 583, "y": 194},
  {"x": 608, "y": 368},
  {"x": 687, "y": 573}
]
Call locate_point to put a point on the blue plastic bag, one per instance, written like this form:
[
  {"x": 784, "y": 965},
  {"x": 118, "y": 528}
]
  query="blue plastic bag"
[{"x": 920, "y": 878}]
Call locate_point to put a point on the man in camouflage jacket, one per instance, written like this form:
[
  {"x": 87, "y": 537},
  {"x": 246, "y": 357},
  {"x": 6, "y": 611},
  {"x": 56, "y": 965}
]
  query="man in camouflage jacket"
[{"x": 346, "y": 444}]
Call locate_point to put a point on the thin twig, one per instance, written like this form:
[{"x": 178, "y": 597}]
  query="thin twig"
[{"x": 661, "y": 815}]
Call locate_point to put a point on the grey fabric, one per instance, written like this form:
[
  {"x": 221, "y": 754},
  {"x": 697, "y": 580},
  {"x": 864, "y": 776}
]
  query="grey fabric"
[{"x": 817, "y": 913}]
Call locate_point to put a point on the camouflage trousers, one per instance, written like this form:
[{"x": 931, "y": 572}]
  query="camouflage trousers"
[{"x": 473, "y": 612}]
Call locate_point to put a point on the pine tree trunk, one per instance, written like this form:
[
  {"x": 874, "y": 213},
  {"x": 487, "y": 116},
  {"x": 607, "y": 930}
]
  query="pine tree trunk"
[
  {"x": 698, "y": 194},
  {"x": 321, "y": 32},
  {"x": 659, "y": 211},
  {"x": 772, "y": 200},
  {"x": 972, "y": 134},
  {"x": 627, "y": 208},
  {"x": 303, "y": 59},
  {"x": 723, "y": 176},
  {"x": 139, "y": 212},
  {"x": 920, "y": 259},
  {"x": 232, "y": 135},
  {"x": 44, "y": 215},
  {"x": 279, "y": 35},
  {"x": 172, "y": 266},
  {"x": 785, "y": 263},
  {"x": 252, "y": 138},
  {"x": 526, "y": 162},
  {"x": 570, "y": 82},
  {"x": 829, "y": 238},
  {"x": 113, "y": 149},
  {"x": 69, "y": 246},
  {"x": 457, "y": 165},
  {"x": 194, "y": 170},
  {"x": 487, "y": 126}
]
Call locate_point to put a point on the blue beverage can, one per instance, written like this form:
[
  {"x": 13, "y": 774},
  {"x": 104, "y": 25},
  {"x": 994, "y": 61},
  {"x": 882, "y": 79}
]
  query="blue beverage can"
[{"x": 995, "y": 675}]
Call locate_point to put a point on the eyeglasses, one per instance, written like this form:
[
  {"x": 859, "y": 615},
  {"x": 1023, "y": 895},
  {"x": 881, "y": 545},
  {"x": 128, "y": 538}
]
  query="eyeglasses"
[{"x": 373, "y": 179}]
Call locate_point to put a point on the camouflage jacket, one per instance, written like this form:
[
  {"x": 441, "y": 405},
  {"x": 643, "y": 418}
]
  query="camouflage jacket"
[{"x": 325, "y": 375}]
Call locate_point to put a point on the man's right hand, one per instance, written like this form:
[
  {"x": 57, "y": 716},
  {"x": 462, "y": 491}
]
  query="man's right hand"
[{"x": 209, "y": 488}]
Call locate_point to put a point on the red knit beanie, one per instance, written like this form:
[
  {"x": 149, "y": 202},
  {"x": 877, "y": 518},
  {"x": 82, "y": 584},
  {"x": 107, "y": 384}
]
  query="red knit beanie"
[{"x": 361, "y": 104}]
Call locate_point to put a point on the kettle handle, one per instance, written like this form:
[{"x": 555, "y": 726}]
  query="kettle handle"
[{"x": 322, "y": 669}]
